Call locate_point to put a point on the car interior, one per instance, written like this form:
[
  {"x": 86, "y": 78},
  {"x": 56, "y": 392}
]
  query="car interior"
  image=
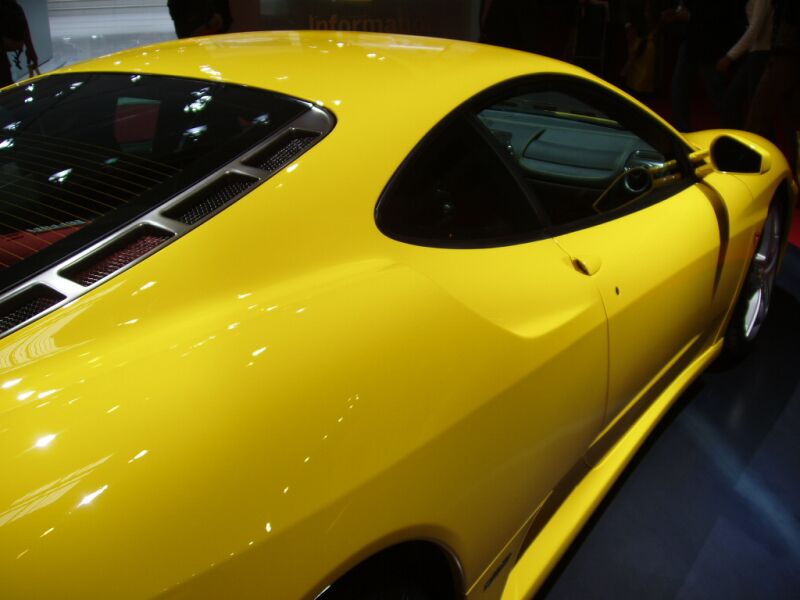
[{"x": 570, "y": 160}]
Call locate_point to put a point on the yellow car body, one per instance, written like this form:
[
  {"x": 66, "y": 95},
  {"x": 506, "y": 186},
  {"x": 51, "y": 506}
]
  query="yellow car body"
[{"x": 285, "y": 391}]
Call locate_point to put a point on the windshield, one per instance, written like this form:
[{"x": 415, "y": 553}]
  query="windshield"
[{"x": 556, "y": 104}]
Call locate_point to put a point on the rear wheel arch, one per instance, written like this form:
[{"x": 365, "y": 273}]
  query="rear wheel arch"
[{"x": 421, "y": 565}]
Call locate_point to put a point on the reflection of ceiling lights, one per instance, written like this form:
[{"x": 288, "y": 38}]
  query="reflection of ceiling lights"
[
  {"x": 262, "y": 119},
  {"x": 210, "y": 71},
  {"x": 5, "y": 144},
  {"x": 59, "y": 177},
  {"x": 89, "y": 498},
  {"x": 194, "y": 133},
  {"x": 13, "y": 126},
  {"x": 45, "y": 440},
  {"x": 197, "y": 105},
  {"x": 135, "y": 78}
]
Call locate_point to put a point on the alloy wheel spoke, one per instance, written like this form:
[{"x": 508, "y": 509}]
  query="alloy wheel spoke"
[{"x": 765, "y": 266}]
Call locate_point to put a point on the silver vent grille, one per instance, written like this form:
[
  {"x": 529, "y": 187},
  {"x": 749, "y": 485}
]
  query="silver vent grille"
[
  {"x": 27, "y": 305},
  {"x": 279, "y": 154},
  {"x": 209, "y": 200},
  {"x": 118, "y": 255}
]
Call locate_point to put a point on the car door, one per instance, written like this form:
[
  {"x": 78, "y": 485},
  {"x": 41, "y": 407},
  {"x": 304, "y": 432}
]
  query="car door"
[
  {"x": 621, "y": 203},
  {"x": 538, "y": 326}
]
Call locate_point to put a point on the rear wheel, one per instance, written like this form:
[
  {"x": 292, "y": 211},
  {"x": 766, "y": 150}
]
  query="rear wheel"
[
  {"x": 754, "y": 301},
  {"x": 383, "y": 590},
  {"x": 410, "y": 571}
]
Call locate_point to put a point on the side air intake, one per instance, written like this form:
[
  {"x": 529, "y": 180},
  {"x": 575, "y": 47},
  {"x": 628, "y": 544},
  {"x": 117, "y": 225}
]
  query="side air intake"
[
  {"x": 210, "y": 199},
  {"x": 26, "y": 305},
  {"x": 280, "y": 153},
  {"x": 129, "y": 248}
]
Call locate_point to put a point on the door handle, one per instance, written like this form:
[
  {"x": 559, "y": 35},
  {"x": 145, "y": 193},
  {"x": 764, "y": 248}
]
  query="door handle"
[{"x": 588, "y": 265}]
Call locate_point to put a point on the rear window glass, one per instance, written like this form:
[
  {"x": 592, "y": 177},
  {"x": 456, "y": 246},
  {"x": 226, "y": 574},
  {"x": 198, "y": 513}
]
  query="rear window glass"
[{"x": 84, "y": 154}]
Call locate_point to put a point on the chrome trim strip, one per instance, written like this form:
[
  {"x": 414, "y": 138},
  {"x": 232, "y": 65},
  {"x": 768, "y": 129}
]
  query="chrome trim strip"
[{"x": 247, "y": 171}]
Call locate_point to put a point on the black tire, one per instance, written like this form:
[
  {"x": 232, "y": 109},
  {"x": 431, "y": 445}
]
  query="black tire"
[
  {"x": 381, "y": 586},
  {"x": 406, "y": 572},
  {"x": 754, "y": 300}
]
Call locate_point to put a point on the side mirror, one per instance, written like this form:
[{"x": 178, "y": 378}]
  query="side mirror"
[{"x": 732, "y": 154}]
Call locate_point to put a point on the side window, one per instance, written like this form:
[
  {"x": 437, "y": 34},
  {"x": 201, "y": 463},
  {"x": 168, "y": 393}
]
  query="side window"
[
  {"x": 455, "y": 191},
  {"x": 578, "y": 155}
]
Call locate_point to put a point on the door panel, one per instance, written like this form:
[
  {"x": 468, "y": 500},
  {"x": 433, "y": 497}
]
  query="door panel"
[
  {"x": 540, "y": 328},
  {"x": 657, "y": 279}
]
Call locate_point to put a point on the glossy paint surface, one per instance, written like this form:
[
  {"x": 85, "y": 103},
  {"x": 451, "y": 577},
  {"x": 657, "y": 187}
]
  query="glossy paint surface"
[{"x": 284, "y": 391}]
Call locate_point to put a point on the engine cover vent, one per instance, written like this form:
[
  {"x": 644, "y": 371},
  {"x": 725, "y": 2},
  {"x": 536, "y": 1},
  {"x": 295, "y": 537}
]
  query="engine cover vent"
[
  {"x": 209, "y": 200},
  {"x": 130, "y": 247},
  {"x": 25, "y": 306},
  {"x": 280, "y": 153}
]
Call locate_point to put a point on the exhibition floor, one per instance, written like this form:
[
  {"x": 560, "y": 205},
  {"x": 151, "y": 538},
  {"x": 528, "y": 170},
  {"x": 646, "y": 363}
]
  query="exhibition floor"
[{"x": 710, "y": 508}]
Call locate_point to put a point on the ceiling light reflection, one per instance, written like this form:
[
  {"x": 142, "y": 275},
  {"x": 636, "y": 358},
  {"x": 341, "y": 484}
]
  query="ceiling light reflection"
[
  {"x": 197, "y": 105},
  {"x": 89, "y": 498},
  {"x": 11, "y": 383},
  {"x": 141, "y": 454},
  {"x": 45, "y": 440},
  {"x": 60, "y": 177},
  {"x": 194, "y": 133}
]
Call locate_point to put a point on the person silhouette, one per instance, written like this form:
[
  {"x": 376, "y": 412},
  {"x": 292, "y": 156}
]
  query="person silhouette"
[
  {"x": 16, "y": 37},
  {"x": 200, "y": 17}
]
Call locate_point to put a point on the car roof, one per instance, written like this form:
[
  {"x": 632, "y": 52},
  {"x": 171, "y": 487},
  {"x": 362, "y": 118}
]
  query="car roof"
[{"x": 340, "y": 70}]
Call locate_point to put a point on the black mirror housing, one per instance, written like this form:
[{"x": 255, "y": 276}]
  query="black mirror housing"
[{"x": 731, "y": 155}]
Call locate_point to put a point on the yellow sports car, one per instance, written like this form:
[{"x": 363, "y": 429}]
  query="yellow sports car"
[{"x": 311, "y": 315}]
